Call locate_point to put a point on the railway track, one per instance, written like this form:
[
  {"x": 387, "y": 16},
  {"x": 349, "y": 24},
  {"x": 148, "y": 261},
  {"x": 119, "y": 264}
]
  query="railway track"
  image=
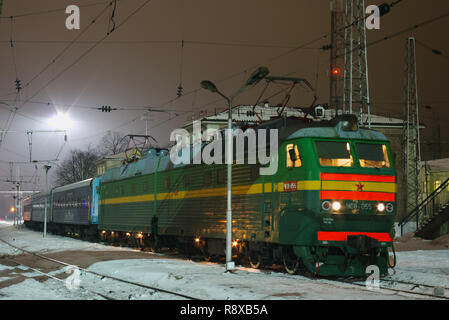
[
  {"x": 102, "y": 276},
  {"x": 397, "y": 290},
  {"x": 107, "y": 297},
  {"x": 384, "y": 284},
  {"x": 361, "y": 283}
]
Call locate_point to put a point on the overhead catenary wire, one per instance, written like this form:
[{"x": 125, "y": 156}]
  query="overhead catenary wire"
[
  {"x": 28, "y": 14},
  {"x": 410, "y": 28},
  {"x": 16, "y": 108},
  {"x": 91, "y": 107},
  {"x": 190, "y": 42},
  {"x": 18, "y": 85},
  {"x": 66, "y": 48},
  {"x": 232, "y": 76},
  {"x": 305, "y": 44},
  {"x": 86, "y": 52},
  {"x": 433, "y": 50}
]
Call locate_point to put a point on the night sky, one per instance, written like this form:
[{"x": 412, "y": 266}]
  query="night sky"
[{"x": 142, "y": 62}]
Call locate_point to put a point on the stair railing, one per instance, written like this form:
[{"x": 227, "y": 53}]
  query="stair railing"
[{"x": 427, "y": 207}]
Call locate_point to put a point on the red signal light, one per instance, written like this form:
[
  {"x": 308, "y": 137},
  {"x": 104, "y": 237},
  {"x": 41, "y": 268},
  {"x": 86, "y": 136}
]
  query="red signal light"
[{"x": 336, "y": 71}]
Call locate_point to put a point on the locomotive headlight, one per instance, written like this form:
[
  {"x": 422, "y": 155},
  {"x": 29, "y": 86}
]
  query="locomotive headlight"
[
  {"x": 336, "y": 205},
  {"x": 380, "y": 207},
  {"x": 326, "y": 205}
]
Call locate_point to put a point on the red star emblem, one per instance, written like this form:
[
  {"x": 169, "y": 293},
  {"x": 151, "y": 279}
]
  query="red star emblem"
[
  {"x": 175, "y": 192},
  {"x": 359, "y": 186}
]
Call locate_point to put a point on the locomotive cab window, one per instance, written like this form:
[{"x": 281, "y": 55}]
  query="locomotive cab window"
[
  {"x": 293, "y": 159},
  {"x": 373, "y": 155},
  {"x": 334, "y": 153}
]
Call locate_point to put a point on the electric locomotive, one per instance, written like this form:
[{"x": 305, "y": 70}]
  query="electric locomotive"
[{"x": 329, "y": 208}]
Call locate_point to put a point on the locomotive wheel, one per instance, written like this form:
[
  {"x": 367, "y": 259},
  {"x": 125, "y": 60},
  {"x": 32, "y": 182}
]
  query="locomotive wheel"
[{"x": 290, "y": 260}]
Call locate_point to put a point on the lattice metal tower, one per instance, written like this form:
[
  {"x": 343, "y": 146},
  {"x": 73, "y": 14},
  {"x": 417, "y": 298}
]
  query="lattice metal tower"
[
  {"x": 349, "y": 90},
  {"x": 337, "y": 54},
  {"x": 411, "y": 146}
]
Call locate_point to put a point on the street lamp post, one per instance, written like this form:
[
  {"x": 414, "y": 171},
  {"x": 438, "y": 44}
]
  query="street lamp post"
[
  {"x": 258, "y": 75},
  {"x": 46, "y": 168}
]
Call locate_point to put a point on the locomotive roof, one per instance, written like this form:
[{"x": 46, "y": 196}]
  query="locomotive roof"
[
  {"x": 293, "y": 128},
  {"x": 75, "y": 185},
  {"x": 288, "y": 128}
]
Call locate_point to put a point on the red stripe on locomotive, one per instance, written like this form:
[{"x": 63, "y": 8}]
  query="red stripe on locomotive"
[
  {"x": 343, "y": 236},
  {"x": 356, "y": 177}
]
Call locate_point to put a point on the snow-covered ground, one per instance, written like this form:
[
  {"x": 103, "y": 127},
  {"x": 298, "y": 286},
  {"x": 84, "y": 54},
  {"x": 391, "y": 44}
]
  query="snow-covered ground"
[{"x": 197, "y": 279}]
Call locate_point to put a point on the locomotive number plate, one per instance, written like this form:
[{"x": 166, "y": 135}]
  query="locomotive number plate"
[{"x": 290, "y": 186}]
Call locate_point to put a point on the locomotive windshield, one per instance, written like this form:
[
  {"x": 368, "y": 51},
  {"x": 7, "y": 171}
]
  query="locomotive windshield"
[
  {"x": 334, "y": 153},
  {"x": 373, "y": 155}
]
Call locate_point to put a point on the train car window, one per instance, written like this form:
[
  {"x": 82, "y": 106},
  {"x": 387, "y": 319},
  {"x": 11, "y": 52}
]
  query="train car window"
[
  {"x": 334, "y": 153},
  {"x": 133, "y": 188},
  {"x": 208, "y": 178},
  {"x": 145, "y": 186},
  {"x": 255, "y": 171},
  {"x": 221, "y": 176},
  {"x": 293, "y": 159},
  {"x": 167, "y": 183},
  {"x": 373, "y": 155},
  {"x": 186, "y": 179}
]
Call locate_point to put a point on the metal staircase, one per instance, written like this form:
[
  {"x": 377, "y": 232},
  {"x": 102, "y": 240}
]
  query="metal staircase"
[{"x": 430, "y": 214}]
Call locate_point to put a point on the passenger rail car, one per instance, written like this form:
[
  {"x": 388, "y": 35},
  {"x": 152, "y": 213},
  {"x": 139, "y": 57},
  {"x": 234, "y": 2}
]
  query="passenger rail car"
[
  {"x": 26, "y": 209},
  {"x": 329, "y": 207},
  {"x": 71, "y": 209}
]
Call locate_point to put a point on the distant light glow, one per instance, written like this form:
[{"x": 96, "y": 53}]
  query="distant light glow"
[{"x": 61, "y": 121}]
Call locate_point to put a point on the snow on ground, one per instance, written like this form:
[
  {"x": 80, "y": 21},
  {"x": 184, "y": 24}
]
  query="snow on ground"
[
  {"x": 35, "y": 242},
  {"x": 423, "y": 267},
  {"x": 197, "y": 279}
]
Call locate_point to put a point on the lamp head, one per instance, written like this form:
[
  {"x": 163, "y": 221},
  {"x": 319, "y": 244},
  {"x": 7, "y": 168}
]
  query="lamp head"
[
  {"x": 209, "y": 85},
  {"x": 257, "y": 75}
]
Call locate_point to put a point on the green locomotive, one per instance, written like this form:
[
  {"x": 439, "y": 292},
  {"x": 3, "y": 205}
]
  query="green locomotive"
[{"x": 329, "y": 207}]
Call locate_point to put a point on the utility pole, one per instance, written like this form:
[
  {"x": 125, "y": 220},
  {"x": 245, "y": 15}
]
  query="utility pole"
[
  {"x": 17, "y": 200},
  {"x": 256, "y": 77},
  {"x": 46, "y": 168},
  {"x": 349, "y": 88},
  {"x": 411, "y": 147}
]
